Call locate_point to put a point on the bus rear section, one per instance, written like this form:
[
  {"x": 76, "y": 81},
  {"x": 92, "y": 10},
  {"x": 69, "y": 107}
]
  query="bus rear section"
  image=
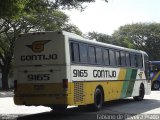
[
  {"x": 155, "y": 74},
  {"x": 40, "y": 70}
]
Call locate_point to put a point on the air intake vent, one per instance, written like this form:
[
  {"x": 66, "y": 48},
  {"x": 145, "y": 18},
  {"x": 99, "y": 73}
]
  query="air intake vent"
[{"x": 78, "y": 92}]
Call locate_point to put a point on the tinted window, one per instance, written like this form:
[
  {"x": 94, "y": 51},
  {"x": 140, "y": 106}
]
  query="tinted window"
[
  {"x": 99, "y": 55},
  {"x": 140, "y": 61},
  {"x": 83, "y": 53},
  {"x": 118, "y": 60},
  {"x": 91, "y": 54},
  {"x": 75, "y": 52},
  {"x": 128, "y": 59},
  {"x": 154, "y": 67},
  {"x": 132, "y": 57},
  {"x": 112, "y": 57},
  {"x": 123, "y": 58},
  {"x": 136, "y": 60},
  {"x": 106, "y": 56}
]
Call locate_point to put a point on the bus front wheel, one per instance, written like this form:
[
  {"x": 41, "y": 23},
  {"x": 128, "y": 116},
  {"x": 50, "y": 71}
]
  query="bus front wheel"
[
  {"x": 141, "y": 93},
  {"x": 155, "y": 85},
  {"x": 59, "y": 108}
]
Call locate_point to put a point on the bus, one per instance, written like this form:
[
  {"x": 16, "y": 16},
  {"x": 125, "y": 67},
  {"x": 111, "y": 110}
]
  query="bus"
[
  {"x": 58, "y": 69},
  {"x": 155, "y": 74}
]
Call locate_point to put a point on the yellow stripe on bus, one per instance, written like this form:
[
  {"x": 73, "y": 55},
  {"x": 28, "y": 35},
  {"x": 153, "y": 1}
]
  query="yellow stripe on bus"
[
  {"x": 156, "y": 76},
  {"x": 121, "y": 76}
]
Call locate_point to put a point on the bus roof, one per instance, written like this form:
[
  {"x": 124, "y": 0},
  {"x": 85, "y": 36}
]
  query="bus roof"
[
  {"x": 82, "y": 39},
  {"x": 154, "y": 62},
  {"x": 79, "y": 38}
]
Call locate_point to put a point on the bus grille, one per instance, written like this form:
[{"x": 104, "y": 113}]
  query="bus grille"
[{"x": 78, "y": 92}]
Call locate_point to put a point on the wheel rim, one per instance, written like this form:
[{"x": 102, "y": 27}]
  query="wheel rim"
[{"x": 156, "y": 85}]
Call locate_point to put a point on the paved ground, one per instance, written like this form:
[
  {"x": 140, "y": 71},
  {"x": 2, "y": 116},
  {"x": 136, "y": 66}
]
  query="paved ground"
[
  {"x": 6, "y": 93},
  {"x": 150, "y": 105}
]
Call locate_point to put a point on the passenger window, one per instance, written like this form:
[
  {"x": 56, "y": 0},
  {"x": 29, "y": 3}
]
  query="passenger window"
[
  {"x": 83, "y": 53},
  {"x": 140, "y": 61},
  {"x": 123, "y": 58},
  {"x": 132, "y": 57},
  {"x": 106, "y": 56},
  {"x": 112, "y": 57},
  {"x": 136, "y": 60},
  {"x": 99, "y": 55},
  {"x": 118, "y": 60},
  {"x": 91, "y": 54},
  {"x": 75, "y": 52},
  {"x": 128, "y": 61}
]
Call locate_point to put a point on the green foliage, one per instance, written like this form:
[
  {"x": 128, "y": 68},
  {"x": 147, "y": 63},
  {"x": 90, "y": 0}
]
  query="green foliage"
[
  {"x": 11, "y": 8},
  {"x": 15, "y": 8},
  {"x": 101, "y": 37},
  {"x": 29, "y": 15},
  {"x": 72, "y": 28},
  {"x": 47, "y": 21},
  {"x": 142, "y": 36}
]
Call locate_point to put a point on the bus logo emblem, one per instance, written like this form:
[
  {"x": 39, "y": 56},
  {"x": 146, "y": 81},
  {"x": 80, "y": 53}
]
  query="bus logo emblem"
[{"x": 38, "y": 46}]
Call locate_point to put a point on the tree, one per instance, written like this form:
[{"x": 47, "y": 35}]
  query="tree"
[
  {"x": 10, "y": 29},
  {"x": 101, "y": 37},
  {"x": 14, "y": 8},
  {"x": 9, "y": 8},
  {"x": 21, "y": 16},
  {"x": 142, "y": 36}
]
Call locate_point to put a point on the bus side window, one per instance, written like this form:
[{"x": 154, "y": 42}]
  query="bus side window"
[
  {"x": 123, "y": 58},
  {"x": 132, "y": 57},
  {"x": 140, "y": 61},
  {"x": 83, "y": 53},
  {"x": 75, "y": 52},
  {"x": 118, "y": 60},
  {"x": 136, "y": 60},
  {"x": 91, "y": 55},
  {"x": 112, "y": 57},
  {"x": 128, "y": 61},
  {"x": 99, "y": 55},
  {"x": 106, "y": 56}
]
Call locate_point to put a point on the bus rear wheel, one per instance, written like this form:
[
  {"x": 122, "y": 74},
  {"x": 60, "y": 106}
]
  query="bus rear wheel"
[
  {"x": 59, "y": 108},
  {"x": 98, "y": 100},
  {"x": 141, "y": 94},
  {"x": 156, "y": 85}
]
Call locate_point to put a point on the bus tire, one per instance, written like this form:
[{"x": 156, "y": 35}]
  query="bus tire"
[
  {"x": 141, "y": 93},
  {"x": 59, "y": 108},
  {"x": 155, "y": 85},
  {"x": 98, "y": 100}
]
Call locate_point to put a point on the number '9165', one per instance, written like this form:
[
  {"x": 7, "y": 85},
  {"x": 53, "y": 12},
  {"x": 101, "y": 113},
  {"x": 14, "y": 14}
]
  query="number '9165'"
[
  {"x": 80, "y": 73},
  {"x": 38, "y": 77}
]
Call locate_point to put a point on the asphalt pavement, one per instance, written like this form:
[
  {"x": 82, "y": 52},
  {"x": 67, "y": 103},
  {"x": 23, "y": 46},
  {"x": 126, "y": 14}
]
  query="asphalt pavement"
[{"x": 149, "y": 109}]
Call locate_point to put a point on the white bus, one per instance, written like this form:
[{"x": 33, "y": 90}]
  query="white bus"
[{"x": 58, "y": 69}]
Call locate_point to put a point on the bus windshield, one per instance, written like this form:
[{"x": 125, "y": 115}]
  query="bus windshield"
[
  {"x": 154, "y": 66},
  {"x": 155, "y": 74}
]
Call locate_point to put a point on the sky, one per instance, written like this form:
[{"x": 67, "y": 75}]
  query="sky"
[{"x": 103, "y": 17}]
